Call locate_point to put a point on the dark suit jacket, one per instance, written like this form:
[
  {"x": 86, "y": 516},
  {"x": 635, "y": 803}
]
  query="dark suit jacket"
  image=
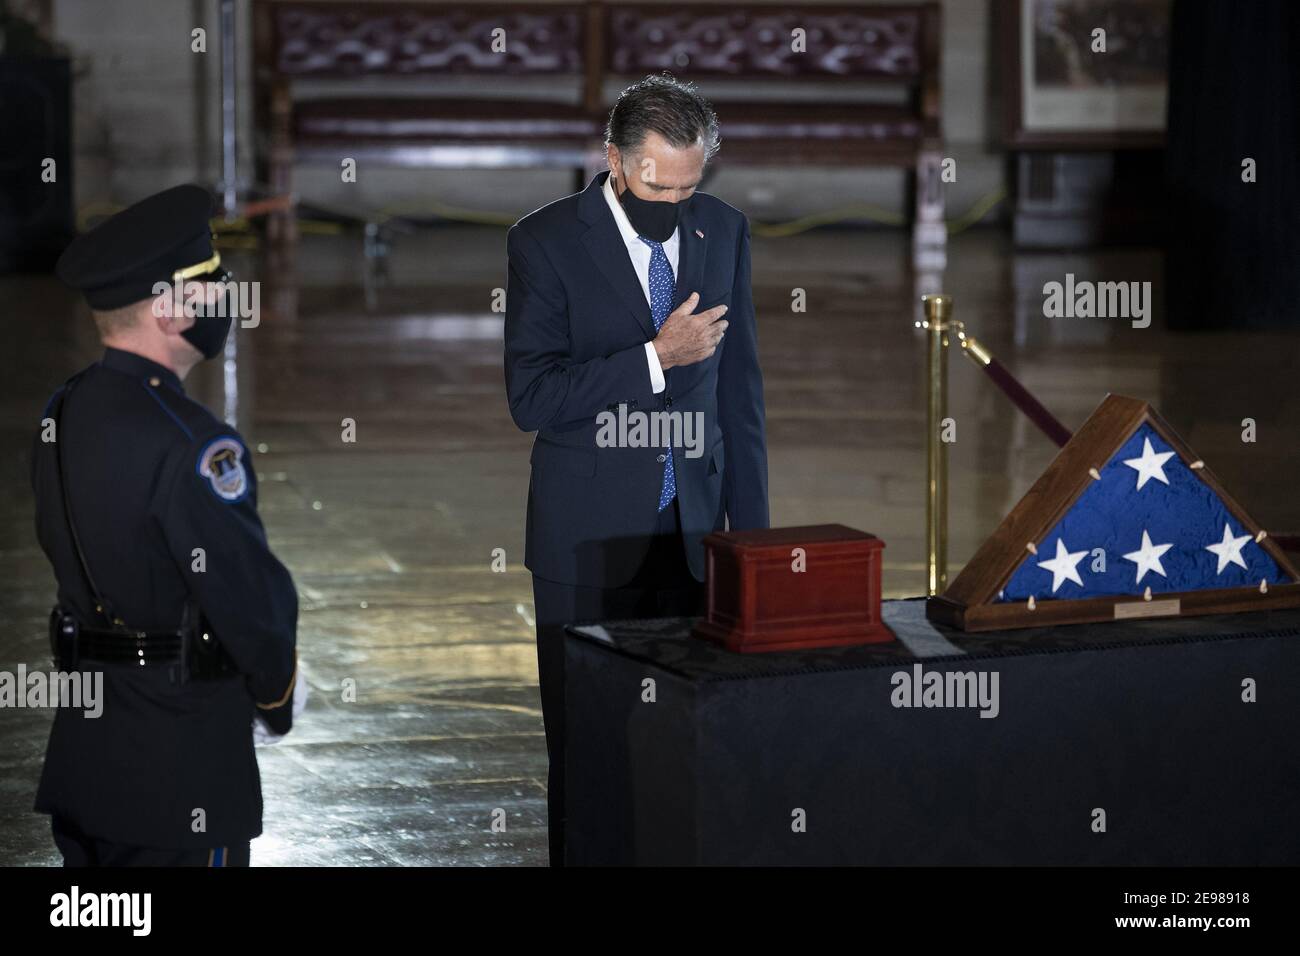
[{"x": 577, "y": 322}]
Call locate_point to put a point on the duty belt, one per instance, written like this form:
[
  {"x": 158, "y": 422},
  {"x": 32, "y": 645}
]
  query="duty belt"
[{"x": 192, "y": 656}]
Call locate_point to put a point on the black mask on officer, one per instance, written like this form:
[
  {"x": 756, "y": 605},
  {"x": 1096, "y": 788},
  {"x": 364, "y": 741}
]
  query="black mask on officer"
[
  {"x": 654, "y": 220},
  {"x": 212, "y": 320}
]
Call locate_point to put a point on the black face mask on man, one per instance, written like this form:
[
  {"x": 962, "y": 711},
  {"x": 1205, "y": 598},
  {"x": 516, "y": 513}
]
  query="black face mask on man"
[
  {"x": 654, "y": 220},
  {"x": 208, "y": 334},
  {"x": 212, "y": 320}
]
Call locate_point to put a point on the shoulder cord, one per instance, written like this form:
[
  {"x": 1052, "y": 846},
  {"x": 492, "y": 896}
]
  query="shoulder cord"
[{"x": 102, "y": 606}]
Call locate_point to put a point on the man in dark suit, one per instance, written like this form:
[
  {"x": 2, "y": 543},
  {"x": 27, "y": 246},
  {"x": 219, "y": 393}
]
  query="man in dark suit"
[{"x": 650, "y": 424}]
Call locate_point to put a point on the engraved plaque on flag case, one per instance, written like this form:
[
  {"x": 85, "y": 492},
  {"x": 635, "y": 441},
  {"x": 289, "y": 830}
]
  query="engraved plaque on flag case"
[{"x": 786, "y": 589}]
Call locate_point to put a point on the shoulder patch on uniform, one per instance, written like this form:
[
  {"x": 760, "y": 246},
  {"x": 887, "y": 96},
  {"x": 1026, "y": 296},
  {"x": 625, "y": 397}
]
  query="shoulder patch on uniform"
[{"x": 221, "y": 465}]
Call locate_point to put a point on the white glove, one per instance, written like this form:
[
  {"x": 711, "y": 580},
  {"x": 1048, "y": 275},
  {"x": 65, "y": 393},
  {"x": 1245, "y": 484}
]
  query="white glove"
[{"x": 262, "y": 734}]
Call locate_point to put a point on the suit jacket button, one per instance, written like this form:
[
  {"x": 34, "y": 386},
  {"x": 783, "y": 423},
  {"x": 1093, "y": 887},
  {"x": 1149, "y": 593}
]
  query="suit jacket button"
[
  {"x": 669, "y": 401},
  {"x": 661, "y": 459}
]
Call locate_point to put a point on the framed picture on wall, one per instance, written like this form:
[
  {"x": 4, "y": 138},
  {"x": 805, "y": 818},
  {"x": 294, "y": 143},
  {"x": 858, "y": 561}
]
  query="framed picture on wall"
[{"x": 1084, "y": 74}]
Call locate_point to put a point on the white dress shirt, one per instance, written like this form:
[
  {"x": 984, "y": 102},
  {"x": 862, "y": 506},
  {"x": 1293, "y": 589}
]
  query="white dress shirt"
[{"x": 640, "y": 254}]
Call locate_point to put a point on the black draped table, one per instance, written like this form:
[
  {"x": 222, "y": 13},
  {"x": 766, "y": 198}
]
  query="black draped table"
[{"x": 1169, "y": 742}]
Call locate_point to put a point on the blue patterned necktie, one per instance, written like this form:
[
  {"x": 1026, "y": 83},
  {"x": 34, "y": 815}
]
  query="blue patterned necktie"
[{"x": 662, "y": 287}]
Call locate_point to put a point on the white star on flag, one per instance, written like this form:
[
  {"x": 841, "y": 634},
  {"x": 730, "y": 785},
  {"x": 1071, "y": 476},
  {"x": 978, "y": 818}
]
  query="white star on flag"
[
  {"x": 1229, "y": 549},
  {"x": 1065, "y": 566},
  {"x": 1147, "y": 558},
  {"x": 1150, "y": 465}
]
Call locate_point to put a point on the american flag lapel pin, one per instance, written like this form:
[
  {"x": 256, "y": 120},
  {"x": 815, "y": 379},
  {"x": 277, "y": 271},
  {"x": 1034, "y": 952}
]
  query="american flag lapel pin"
[{"x": 699, "y": 233}]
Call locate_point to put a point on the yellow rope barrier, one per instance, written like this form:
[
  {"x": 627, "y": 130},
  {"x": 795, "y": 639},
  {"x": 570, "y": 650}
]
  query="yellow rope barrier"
[{"x": 776, "y": 230}]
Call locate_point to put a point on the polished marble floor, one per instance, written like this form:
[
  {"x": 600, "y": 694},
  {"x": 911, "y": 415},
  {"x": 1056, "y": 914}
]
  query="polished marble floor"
[{"x": 391, "y": 538}]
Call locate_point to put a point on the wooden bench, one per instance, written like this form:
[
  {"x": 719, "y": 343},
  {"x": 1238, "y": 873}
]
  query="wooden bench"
[{"x": 596, "y": 48}]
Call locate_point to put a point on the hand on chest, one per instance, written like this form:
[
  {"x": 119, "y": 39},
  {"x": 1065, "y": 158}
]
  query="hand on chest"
[{"x": 628, "y": 292}]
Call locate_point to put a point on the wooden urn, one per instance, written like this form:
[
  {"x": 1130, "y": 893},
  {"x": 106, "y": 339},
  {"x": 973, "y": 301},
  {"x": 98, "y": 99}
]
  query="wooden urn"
[{"x": 784, "y": 589}]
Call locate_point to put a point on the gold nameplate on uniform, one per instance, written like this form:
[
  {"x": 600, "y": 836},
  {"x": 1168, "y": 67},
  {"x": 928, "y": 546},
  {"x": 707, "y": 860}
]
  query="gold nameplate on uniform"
[{"x": 1147, "y": 608}]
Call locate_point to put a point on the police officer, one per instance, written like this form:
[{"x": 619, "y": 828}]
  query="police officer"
[{"x": 146, "y": 505}]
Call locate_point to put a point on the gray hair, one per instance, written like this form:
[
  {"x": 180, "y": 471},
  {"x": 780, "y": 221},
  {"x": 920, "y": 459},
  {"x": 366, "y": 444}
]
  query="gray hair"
[{"x": 665, "y": 105}]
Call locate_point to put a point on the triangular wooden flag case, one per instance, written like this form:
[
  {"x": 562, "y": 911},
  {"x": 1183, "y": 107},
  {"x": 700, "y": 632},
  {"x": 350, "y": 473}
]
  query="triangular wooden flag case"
[{"x": 1024, "y": 574}]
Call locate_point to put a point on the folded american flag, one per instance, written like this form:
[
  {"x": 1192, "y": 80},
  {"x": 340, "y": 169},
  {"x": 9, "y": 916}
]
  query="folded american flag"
[{"x": 1147, "y": 520}]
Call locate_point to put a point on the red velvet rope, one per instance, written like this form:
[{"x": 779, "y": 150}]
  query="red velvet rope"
[{"x": 1021, "y": 398}]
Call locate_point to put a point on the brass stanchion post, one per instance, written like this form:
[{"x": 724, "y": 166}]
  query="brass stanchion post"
[{"x": 938, "y": 315}]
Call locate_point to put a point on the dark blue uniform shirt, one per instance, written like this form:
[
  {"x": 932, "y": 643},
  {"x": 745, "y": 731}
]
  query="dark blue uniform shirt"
[{"x": 165, "y": 502}]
